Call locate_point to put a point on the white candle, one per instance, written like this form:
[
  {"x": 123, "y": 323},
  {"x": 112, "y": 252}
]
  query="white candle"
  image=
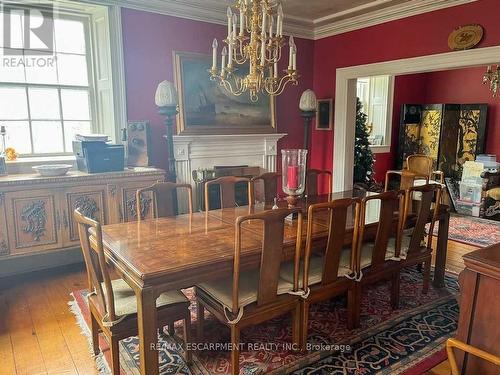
[
  {"x": 271, "y": 25},
  {"x": 235, "y": 26},
  {"x": 264, "y": 19},
  {"x": 263, "y": 53},
  {"x": 242, "y": 22},
  {"x": 224, "y": 54},
  {"x": 229, "y": 21},
  {"x": 275, "y": 70},
  {"x": 279, "y": 25},
  {"x": 215, "y": 44},
  {"x": 290, "y": 57},
  {"x": 230, "y": 58},
  {"x": 294, "y": 58}
]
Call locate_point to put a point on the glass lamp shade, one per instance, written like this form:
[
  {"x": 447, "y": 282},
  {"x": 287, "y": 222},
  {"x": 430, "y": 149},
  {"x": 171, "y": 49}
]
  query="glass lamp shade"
[
  {"x": 294, "y": 171},
  {"x": 166, "y": 94},
  {"x": 308, "y": 101}
]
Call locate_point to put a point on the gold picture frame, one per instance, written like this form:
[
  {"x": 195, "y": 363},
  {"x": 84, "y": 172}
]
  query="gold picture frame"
[
  {"x": 207, "y": 108},
  {"x": 324, "y": 114}
]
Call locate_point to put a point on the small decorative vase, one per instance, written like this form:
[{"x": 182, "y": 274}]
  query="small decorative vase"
[{"x": 294, "y": 174}]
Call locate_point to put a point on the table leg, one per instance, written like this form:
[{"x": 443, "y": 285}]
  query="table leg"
[
  {"x": 148, "y": 336},
  {"x": 441, "y": 250}
]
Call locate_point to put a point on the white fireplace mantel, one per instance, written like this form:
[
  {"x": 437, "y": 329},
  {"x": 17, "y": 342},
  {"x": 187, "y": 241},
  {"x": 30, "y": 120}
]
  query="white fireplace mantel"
[{"x": 194, "y": 152}]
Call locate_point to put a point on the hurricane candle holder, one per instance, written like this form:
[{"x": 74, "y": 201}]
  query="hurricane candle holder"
[{"x": 294, "y": 174}]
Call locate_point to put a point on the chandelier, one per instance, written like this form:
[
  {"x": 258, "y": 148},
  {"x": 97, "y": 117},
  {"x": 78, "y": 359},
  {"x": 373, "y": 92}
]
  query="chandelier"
[
  {"x": 257, "y": 45},
  {"x": 492, "y": 77}
]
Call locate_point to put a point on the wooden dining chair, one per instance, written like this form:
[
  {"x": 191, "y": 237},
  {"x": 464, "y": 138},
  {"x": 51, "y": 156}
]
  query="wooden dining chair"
[
  {"x": 375, "y": 258},
  {"x": 424, "y": 165},
  {"x": 164, "y": 199},
  {"x": 254, "y": 296},
  {"x": 469, "y": 349},
  {"x": 226, "y": 188},
  {"x": 326, "y": 272},
  {"x": 270, "y": 182},
  {"x": 312, "y": 177},
  {"x": 112, "y": 303},
  {"x": 416, "y": 241}
]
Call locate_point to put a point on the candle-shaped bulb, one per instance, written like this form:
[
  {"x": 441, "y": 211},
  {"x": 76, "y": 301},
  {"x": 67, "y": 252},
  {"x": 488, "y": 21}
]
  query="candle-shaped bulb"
[
  {"x": 280, "y": 10},
  {"x": 224, "y": 51},
  {"x": 292, "y": 41},
  {"x": 215, "y": 44},
  {"x": 235, "y": 24},
  {"x": 279, "y": 26},
  {"x": 229, "y": 13}
]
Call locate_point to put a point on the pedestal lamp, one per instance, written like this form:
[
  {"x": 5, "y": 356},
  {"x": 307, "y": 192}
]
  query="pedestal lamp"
[
  {"x": 166, "y": 100},
  {"x": 307, "y": 105}
]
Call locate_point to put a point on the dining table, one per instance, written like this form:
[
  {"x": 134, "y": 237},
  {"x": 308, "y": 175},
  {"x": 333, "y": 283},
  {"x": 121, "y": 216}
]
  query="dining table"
[{"x": 158, "y": 255}]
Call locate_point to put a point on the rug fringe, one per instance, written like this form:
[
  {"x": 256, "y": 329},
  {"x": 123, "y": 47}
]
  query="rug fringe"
[{"x": 100, "y": 361}]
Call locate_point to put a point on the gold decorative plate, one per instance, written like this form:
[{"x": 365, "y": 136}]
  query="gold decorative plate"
[{"x": 465, "y": 37}]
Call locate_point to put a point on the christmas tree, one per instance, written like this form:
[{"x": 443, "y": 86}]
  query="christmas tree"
[{"x": 363, "y": 155}]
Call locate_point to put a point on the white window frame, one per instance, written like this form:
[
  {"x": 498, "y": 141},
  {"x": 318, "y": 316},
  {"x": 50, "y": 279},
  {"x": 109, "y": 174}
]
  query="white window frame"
[
  {"x": 106, "y": 71},
  {"x": 386, "y": 146}
]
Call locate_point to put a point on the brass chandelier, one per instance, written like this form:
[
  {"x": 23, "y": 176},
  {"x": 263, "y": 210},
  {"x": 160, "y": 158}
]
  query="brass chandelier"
[
  {"x": 258, "y": 43},
  {"x": 492, "y": 77}
]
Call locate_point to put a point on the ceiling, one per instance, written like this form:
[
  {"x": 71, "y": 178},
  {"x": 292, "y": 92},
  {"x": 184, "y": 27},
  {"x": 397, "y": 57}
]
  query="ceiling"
[{"x": 311, "y": 19}]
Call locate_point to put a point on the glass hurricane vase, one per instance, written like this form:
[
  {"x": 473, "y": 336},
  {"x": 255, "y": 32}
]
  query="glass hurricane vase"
[{"x": 294, "y": 174}]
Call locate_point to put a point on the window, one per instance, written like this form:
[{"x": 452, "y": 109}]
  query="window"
[
  {"x": 49, "y": 95},
  {"x": 375, "y": 94}
]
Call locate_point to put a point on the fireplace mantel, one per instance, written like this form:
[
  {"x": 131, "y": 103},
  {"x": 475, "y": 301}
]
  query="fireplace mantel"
[{"x": 193, "y": 152}]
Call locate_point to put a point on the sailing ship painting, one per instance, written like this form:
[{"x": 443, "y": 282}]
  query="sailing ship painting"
[{"x": 206, "y": 107}]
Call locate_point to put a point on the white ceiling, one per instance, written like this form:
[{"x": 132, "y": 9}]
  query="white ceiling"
[{"x": 312, "y": 19}]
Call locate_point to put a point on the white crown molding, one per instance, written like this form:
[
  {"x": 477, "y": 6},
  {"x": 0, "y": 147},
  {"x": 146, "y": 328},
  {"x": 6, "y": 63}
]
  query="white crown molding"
[
  {"x": 214, "y": 11},
  {"x": 326, "y": 26}
]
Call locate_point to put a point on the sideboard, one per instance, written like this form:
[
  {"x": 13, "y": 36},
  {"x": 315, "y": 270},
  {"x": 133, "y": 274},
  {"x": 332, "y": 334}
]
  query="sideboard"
[
  {"x": 479, "y": 321},
  {"x": 36, "y": 222}
]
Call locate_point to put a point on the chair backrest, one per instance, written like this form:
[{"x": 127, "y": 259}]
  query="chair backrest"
[
  {"x": 420, "y": 164},
  {"x": 271, "y": 254},
  {"x": 164, "y": 199},
  {"x": 312, "y": 177},
  {"x": 429, "y": 194},
  {"x": 338, "y": 212},
  {"x": 390, "y": 203},
  {"x": 95, "y": 262},
  {"x": 226, "y": 188},
  {"x": 270, "y": 181}
]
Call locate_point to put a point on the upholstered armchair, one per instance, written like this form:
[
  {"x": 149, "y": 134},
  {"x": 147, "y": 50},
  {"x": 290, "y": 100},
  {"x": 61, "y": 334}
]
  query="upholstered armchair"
[{"x": 490, "y": 202}]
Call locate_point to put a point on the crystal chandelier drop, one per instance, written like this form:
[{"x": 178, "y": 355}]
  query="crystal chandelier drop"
[
  {"x": 492, "y": 77},
  {"x": 257, "y": 43}
]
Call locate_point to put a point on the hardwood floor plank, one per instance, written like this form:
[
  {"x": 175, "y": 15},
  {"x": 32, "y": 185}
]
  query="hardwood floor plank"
[
  {"x": 6, "y": 352},
  {"x": 25, "y": 345}
]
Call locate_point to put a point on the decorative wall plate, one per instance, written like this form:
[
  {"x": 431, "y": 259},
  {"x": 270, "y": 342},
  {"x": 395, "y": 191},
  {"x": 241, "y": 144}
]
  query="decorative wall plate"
[{"x": 465, "y": 37}]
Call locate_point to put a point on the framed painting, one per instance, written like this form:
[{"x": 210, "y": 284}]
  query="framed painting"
[
  {"x": 207, "y": 108},
  {"x": 324, "y": 115}
]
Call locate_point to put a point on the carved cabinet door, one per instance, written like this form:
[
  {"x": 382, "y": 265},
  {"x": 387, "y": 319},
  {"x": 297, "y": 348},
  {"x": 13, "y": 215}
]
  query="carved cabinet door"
[
  {"x": 4, "y": 240},
  {"x": 33, "y": 221},
  {"x": 91, "y": 201},
  {"x": 128, "y": 206}
]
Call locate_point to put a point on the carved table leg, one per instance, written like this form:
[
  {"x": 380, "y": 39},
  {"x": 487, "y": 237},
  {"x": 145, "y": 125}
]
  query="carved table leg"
[
  {"x": 148, "y": 336},
  {"x": 441, "y": 250}
]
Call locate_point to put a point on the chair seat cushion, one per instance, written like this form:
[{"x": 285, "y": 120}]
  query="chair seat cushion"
[
  {"x": 316, "y": 264},
  {"x": 126, "y": 303},
  {"x": 221, "y": 290}
]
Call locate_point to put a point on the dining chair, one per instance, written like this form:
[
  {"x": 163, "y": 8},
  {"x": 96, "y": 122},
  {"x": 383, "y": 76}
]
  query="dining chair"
[
  {"x": 415, "y": 248},
  {"x": 423, "y": 165},
  {"x": 112, "y": 303},
  {"x": 226, "y": 188},
  {"x": 312, "y": 177},
  {"x": 164, "y": 198},
  {"x": 454, "y": 343},
  {"x": 254, "y": 296},
  {"x": 375, "y": 259},
  {"x": 270, "y": 183},
  {"x": 325, "y": 273}
]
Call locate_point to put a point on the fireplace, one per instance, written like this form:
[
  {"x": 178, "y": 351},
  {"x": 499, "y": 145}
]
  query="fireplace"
[{"x": 194, "y": 152}]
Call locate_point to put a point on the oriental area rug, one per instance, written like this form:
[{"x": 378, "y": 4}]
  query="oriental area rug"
[{"x": 408, "y": 341}]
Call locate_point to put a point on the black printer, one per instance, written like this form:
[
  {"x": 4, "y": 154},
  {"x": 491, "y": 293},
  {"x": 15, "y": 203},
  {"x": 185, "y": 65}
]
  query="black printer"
[{"x": 98, "y": 157}]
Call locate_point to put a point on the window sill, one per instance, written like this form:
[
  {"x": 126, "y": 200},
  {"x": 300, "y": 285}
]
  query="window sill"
[
  {"x": 380, "y": 149},
  {"x": 25, "y": 165}
]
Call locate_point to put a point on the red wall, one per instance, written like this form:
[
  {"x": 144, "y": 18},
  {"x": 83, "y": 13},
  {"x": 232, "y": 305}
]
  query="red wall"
[
  {"x": 419, "y": 35},
  {"x": 150, "y": 39},
  {"x": 450, "y": 86}
]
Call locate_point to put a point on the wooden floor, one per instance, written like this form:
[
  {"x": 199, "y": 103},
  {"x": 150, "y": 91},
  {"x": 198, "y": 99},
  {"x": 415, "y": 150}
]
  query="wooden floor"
[{"x": 39, "y": 335}]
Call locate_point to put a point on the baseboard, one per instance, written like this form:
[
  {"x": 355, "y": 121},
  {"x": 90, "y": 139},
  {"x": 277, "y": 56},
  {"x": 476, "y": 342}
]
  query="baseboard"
[{"x": 37, "y": 262}]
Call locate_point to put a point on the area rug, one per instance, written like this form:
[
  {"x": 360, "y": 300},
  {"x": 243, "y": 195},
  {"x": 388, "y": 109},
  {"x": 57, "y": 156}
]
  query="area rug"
[
  {"x": 473, "y": 230},
  {"x": 409, "y": 340}
]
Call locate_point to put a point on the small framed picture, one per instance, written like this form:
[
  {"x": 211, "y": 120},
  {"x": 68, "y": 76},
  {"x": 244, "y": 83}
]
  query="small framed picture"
[{"x": 324, "y": 117}]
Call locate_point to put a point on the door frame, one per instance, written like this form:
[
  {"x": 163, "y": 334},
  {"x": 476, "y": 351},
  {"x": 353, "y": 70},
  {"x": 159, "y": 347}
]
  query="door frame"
[{"x": 345, "y": 97}]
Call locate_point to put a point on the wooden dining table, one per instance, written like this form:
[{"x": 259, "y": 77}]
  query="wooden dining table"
[{"x": 158, "y": 255}]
